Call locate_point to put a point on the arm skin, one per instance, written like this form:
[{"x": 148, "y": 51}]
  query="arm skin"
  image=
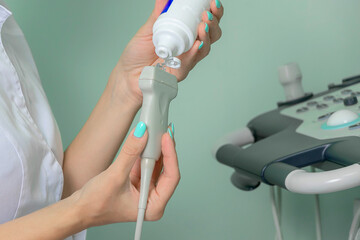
[
  {"x": 95, "y": 146},
  {"x": 110, "y": 197},
  {"x": 97, "y": 191},
  {"x": 57, "y": 221}
]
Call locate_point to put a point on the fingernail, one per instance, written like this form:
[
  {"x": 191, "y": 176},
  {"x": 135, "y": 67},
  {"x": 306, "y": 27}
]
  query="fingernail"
[
  {"x": 172, "y": 128},
  {"x": 201, "y": 45},
  {"x": 206, "y": 27},
  {"x": 210, "y": 16},
  {"x": 170, "y": 134},
  {"x": 140, "y": 130},
  {"x": 218, "y": 3}
]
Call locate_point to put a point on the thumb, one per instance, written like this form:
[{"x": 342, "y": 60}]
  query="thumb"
[
  {"x": 159, "y": 7},
  {"x": 132, "y": 149}
]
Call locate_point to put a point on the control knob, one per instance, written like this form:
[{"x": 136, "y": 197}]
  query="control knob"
[{"x": 349, "y": 101}]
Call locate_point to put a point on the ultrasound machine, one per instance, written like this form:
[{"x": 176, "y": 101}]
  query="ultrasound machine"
[{"x": 320, "y": 130}]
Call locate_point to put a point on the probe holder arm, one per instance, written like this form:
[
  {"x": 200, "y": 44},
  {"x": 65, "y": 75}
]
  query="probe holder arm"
[{"x": 257, "y": 162}]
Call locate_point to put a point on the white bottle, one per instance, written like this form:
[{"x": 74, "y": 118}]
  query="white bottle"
[{"x": 175, "y": 31}]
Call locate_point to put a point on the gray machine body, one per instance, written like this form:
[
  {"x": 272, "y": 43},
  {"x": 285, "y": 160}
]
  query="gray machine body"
[
  {"x": 158, "y": 88},
  {"x": 283, "y": 142}
]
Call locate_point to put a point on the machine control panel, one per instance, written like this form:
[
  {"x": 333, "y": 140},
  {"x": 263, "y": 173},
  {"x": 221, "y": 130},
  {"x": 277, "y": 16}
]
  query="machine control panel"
[{"x": 340, "y": 107}]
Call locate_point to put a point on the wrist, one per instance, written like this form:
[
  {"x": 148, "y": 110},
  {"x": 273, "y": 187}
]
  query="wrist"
[
  {"x": 123, "y": 89},
  {"x": 80, "y": 211}
]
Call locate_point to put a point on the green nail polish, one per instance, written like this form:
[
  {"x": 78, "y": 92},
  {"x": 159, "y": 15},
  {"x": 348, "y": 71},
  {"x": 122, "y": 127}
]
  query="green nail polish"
[
  {"x": 140, "y": 130},
  {"x": 206, "y": 27},
  {"x": 201, "y": 45},
  {"x": 210, "y": 16},
  {"x": 170, "y": 133},
  {"x": 173, "y": 128},
  {"x": 218, "y": 3}
]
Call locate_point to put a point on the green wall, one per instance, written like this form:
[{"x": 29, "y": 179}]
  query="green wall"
[{"x": 76, "y": 44}]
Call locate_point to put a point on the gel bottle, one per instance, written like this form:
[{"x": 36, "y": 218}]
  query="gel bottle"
[{"x": 175, "y": 31}]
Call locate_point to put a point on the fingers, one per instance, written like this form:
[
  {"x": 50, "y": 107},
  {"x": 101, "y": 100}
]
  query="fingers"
[
  {"x": 204, "y": 38},
  {"x": 146, "y": 29},
  {"x": 170, "y": 176},
  {"x": 198, "y": 51},
  {"x": 209, "y": 32},
  {"x": 213, "y": 24},
  {"x": 217, "y": 9},
  {"x": 159, "y": 164},
  {"x": 171, "y": 131},
  {"x": 212, "y": 18},
  {"x": 159, "y": 7},
  {"x": 135, "y": 174},
  {"x": 131, "y": 150},
  {"x": 157, "y": 171}
]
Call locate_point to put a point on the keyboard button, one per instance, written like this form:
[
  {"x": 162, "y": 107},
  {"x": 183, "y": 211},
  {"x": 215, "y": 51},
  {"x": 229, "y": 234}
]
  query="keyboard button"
[
  {"x": 346, "y": 91},
  {"x": 312, "y": 103},
  {"x": 328, "y": 98},
  {"x": 321, "y": 106},
  {"x": 338, "y": 100},
  {"x": 355, "y": 126},
  {"x": 301, "y": 110},
  {"x": 325, "y": 116}
]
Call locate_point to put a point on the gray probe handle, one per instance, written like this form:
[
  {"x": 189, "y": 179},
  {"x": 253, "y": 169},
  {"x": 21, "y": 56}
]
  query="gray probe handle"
[{"x": 158, "y": 88}]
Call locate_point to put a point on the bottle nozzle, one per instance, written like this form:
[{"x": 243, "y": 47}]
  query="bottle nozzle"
[
  {"x": 166, "y": 54},
  {"x": 163, "y": 52},
  {"x": 173, "y": 62}
]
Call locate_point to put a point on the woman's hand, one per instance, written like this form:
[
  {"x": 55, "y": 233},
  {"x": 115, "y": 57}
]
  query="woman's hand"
[
  {"x": 113, "y": 195},
  {"x": 140, "y": 51},
  {"x": 110, "y": 197}
]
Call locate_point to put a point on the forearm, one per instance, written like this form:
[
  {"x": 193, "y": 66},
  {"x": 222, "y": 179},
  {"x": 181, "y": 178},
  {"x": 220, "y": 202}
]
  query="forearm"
[
  {"x": 96, "y": 145},
  {"x": 57, "y": 221}
]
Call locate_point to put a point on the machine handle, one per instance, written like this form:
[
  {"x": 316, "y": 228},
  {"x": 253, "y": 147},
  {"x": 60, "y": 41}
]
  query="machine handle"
[
  {"x": 238, "y": 138},
  {"x": 300, "y": 181}
]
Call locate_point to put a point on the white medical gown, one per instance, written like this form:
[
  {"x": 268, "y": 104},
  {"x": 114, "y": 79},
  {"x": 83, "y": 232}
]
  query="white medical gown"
[{"x": 31, "y": 152}]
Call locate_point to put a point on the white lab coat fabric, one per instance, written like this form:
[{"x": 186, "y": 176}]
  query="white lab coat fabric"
[{"x": 31, "y": 152}]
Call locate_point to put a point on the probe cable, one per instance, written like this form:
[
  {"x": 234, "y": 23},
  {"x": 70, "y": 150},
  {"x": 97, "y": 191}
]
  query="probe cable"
[
  {"x": 279, "y": 202},
  {"x": 147, "y": 168},
  {"x": 317, "y": 213},
  {"x": 275, "y": 213},
  {"x": 357, "y": 236},
  {"x": 317, "y": 217},
  {"x": 354, "y": 225}
]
